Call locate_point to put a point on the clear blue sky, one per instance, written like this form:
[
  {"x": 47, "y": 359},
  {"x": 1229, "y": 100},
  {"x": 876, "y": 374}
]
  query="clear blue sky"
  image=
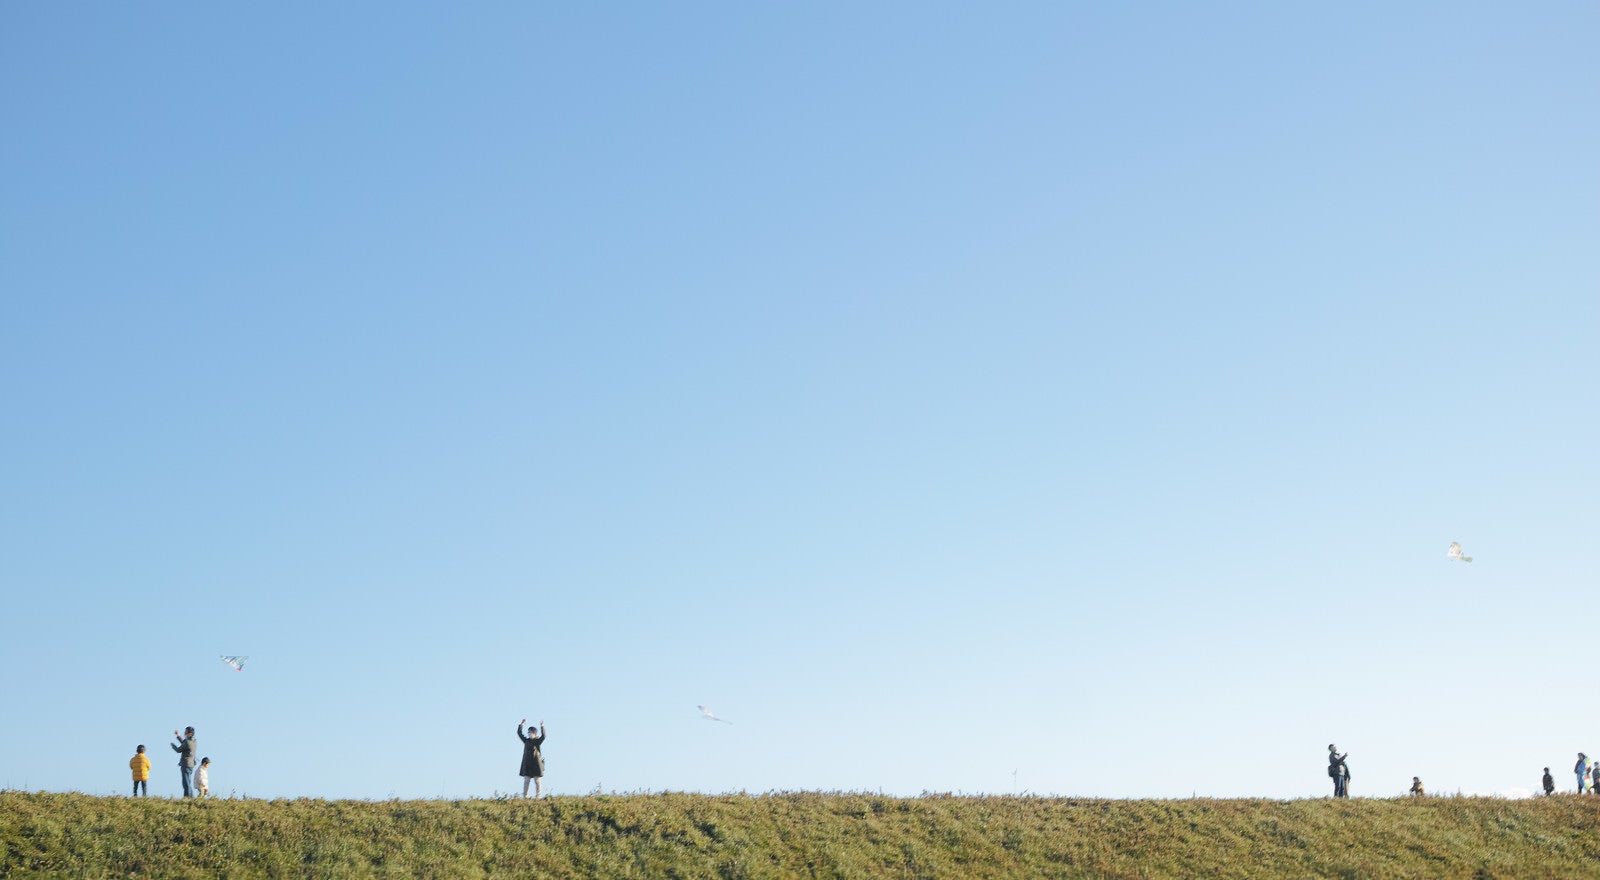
[{"x": 936, "y": 391}]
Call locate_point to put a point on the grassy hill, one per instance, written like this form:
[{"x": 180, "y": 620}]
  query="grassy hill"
[{"x": 797, "y": 835}]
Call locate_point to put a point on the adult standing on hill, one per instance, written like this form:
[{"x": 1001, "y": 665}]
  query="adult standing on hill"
[
  {"x": 186, "y": 749},
  {"x": 1582, "y": 769},
  {"x": 1338, "y": 771},
  {"x": 1549, "y": 783},
  {"x": 532, "y": 759}
]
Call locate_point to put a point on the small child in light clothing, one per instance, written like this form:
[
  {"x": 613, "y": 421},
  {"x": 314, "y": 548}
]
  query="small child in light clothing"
[
  {"x": 202, "y": 777},
  {"x": 140, "y": 765},
  {"x": 1416, "y": 787}
]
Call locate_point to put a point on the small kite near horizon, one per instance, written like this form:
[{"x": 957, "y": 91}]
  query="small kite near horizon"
[
  {"x": 706, "y": 714},
  {"x": 236, "y": 662},
  {"x": 1455, "y": 553}
]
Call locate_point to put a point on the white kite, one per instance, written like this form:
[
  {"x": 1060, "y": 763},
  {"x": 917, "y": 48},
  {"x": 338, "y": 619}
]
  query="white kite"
[
  {"x": 1455, "y": 553},
  {"x": 706, "y": 714},
  {"x": 236, "y": 662}
]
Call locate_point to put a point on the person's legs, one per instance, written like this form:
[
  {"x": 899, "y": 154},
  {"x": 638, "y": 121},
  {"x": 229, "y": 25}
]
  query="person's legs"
[
  {"x": 144, "y": 788},
  {"x": 537, "y": 791},
  {"x": 525, "y": 785},
  {"x": 185, "y": 770},
  {"x": 1580, "y": 783}
]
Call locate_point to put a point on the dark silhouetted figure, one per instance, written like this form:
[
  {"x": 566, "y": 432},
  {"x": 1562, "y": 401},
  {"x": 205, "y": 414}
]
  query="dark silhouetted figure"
[
  {"x": 1549, "y": 782},
  {"x": 532, "y": 759}
]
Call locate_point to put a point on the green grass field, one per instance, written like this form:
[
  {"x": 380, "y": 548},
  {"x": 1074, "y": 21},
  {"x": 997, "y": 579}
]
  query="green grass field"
[{"x": 797, "y": 835}]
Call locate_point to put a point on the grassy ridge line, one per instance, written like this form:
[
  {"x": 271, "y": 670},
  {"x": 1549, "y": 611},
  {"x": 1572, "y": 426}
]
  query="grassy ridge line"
[{"x": 797, "y": 835}]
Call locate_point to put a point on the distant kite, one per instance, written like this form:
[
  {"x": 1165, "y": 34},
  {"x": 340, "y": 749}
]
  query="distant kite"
[
  {"x": 706, "y": 714},
  {"x": 236, "y": 662},
  {"x": 1455, "y": 553}
]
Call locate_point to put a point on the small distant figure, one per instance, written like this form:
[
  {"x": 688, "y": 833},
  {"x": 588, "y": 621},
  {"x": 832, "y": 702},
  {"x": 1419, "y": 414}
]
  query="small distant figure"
[
  {"x": 1594, "y": 777},
  {"x": 532, "y": 759},
  {"x": 1549, "y": 783},
  {"x": 1416, "y": 787},
  {"x": 140, "y": 765},
  {"x": 1338, "y": 771},
  {"x": 186, "y": 749},
  {"x": 1582, "y": 769},
  {"x": 202, "y": 778}
]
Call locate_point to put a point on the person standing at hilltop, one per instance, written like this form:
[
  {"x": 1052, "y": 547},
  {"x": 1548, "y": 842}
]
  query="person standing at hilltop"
[
  {"x": 1416, "y": 787},
  {"x": 140, "y": 765},
  {"x": 1338, "y": 771},
  {"x": 186, "y": 749},
  {"x": 1582, "y": 769},
  {"x": 532, "y": 769},
  {"x": 1549, "y": 783}
]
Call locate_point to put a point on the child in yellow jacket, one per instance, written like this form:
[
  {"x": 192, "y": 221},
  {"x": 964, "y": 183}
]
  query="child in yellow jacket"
[{"x": 140, "y": 765}]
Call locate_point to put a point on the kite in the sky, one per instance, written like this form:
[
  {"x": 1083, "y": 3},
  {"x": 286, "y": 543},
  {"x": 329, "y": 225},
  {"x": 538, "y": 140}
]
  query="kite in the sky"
[
  {"x": 706, "y": 714},
  {"x": 1455, "y": 553},
  {"x": 236, "y": 662}
]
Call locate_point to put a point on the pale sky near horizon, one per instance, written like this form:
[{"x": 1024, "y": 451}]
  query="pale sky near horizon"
[{"x": 935, "y": 391}]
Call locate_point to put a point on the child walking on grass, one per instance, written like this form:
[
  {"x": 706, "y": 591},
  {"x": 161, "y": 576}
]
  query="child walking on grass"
[
  {"x": 202, "y": 777},
  {"x": 140, "y": 765}
]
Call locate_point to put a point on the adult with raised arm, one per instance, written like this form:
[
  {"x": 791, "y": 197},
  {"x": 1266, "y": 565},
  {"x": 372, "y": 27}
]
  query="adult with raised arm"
[
  {"x": 186, "y": 749},
  {"x": 1338, "y": 771},
  {"x": 532, "y": 759}
]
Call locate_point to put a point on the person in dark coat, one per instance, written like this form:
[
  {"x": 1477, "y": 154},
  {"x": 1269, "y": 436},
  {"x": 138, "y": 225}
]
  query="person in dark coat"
[
  {"x": 532, "y": 759},
  {"x": 1549, "y": 783}
]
